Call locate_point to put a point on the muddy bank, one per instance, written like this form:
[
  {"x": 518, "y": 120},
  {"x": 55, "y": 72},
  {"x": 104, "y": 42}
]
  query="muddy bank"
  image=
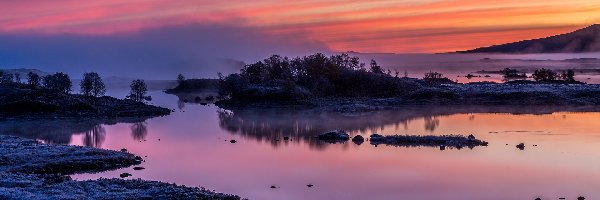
[{"x": 32, "y": 170}]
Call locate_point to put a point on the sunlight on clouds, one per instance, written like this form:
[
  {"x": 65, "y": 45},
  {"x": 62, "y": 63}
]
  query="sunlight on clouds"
[{"x": 372, "y": 26}]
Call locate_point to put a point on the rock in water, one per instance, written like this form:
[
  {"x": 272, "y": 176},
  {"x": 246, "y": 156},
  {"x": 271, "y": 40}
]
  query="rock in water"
[
  {"x": 138, "y": 168},
  {"x": 358, "y": 139},
  {"x": 337, "y": 135},
  {"x": 521, "y": 146},
  {"x": 125, "y": 175}
]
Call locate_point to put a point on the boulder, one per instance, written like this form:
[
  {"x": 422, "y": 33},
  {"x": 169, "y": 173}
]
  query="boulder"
[
  {"x": 358, "y": 139},
  {"x": 337, "y": 135}
]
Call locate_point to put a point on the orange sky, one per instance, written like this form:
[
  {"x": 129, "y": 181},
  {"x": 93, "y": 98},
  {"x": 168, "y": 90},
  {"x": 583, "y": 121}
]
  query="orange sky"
[{"x": 343, "y": 25}]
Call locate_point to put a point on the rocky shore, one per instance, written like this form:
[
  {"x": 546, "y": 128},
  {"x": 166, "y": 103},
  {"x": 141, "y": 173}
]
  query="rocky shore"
[
  {"x": 33, "y": 170},
  {"x": 44, "y": 104},
  {"x": 486, "y": 94}
]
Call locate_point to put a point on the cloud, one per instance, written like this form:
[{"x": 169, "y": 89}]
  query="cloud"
[{"x": 198, "y": 50}]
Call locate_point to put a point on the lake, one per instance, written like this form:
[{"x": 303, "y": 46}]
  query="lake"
[{"x": 192, "y": 147}]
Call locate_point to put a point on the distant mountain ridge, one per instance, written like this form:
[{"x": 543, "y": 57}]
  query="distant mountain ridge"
[{"x": 580, "y": 41}]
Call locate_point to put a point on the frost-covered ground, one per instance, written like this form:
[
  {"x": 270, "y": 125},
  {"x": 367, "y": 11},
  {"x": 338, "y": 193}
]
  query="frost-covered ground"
[
  {"x": 485, "y": 94},
  {"x": 32, "y": 170}
]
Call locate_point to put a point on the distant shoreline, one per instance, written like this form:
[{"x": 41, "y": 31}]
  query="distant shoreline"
[{"x": 484, "y": 94}]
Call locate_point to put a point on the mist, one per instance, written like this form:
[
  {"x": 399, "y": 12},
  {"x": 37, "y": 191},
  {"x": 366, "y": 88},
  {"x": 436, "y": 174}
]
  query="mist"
[{"x": 196, "y": 50}]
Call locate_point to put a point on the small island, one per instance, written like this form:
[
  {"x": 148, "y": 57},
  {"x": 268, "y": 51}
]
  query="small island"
[
  {"x": 49, "y": 97},
  {"x": 34, "y": 170},
  {"x": 342, "y": 83}
]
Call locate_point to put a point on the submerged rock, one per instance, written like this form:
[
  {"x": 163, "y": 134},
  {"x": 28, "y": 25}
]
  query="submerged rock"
[
  {"x": 358, "y": 139},
  {"x": 335, "y": 136},
  {"x": 138, "y": 168}
]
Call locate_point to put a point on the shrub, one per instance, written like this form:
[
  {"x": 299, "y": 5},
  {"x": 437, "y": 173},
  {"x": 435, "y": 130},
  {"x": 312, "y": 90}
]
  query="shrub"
[{"x": 512, "y": 73}]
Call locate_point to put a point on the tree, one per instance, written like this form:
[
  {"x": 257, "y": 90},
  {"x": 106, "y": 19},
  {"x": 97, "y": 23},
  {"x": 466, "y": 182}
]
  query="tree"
[
  {"x": 92, "y": 85},
  {"x": 544, "y": 75},
  {"x": 6, "y": 78},
  {"x": 33, "y": 80},
  {"x": 58, "y": 81},
  {"x": 138, "y": 91},
  {"x": 568, "y": 75},
  {"x": 18, "y": 77},
  {"x": 376, "y": 68}
]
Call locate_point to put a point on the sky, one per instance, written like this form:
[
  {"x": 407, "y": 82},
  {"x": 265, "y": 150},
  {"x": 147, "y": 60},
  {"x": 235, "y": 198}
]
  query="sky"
[{"x": 191, "y": 35}]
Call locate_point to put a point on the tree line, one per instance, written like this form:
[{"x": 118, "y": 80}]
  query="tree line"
[
  {"x": 91, "y": 85},
  {"x": 315, "y": 75}
]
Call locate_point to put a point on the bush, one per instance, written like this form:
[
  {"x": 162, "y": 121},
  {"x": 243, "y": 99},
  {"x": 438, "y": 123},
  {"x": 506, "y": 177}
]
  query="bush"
[
  {"x": 544, "y": 75},
  {"x": 508, "y": 73}
]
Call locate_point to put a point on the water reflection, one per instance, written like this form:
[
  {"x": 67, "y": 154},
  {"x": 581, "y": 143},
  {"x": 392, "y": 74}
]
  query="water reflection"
[
  {"x": 61, "y": 131},
  {"x": 139, "y": 131},
  {"x": 271, "y": 126},
  {"x": 95, "y": 136}
]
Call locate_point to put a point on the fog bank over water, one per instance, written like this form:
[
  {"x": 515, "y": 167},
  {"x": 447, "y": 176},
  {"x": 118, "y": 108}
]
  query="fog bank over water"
[
  {"x": 465, "y": 63},
  {"x": 202, "y": 50},
  {"x": 198, "y": 50}
]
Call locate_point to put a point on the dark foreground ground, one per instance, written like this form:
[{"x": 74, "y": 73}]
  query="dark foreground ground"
[
  {"x": 484, "y": 94},
  {"x": 32, "y": 170},
  {"x": 44, "y": 104}
]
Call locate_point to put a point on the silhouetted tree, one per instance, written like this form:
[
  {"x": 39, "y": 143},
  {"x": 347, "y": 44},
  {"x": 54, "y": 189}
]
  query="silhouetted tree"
[
  {"x": 33, "y": 80},
  {"x": 92, "y": 85},
  {"x": 58, "y": 81},
  {"x": 6, "y": 78},
  {"x": 181, "y": 80},
  {"x": 375, "y": 68},
  {"x": 279, "y": 78},
  {"x": 509, "y": 73},
  {"x": 433, "y": 75},
  {"x": 544, "y": 75},
  {"x": 17, "y": 77},
  {"x": 138, "y": 91},
  {"x": 568, "y": 75}
]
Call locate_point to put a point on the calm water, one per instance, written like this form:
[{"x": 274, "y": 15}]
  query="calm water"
[{"x": 192, "y": 147}]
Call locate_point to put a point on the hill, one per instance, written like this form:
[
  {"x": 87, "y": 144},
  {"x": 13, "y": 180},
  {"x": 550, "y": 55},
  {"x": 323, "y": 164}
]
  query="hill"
[{"x": 579, "y": 41}]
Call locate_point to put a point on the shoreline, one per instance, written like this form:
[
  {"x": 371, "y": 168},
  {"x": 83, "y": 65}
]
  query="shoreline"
[
  {"x": 35, "y": 170},
  {"x": 481, "y": 94}
]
